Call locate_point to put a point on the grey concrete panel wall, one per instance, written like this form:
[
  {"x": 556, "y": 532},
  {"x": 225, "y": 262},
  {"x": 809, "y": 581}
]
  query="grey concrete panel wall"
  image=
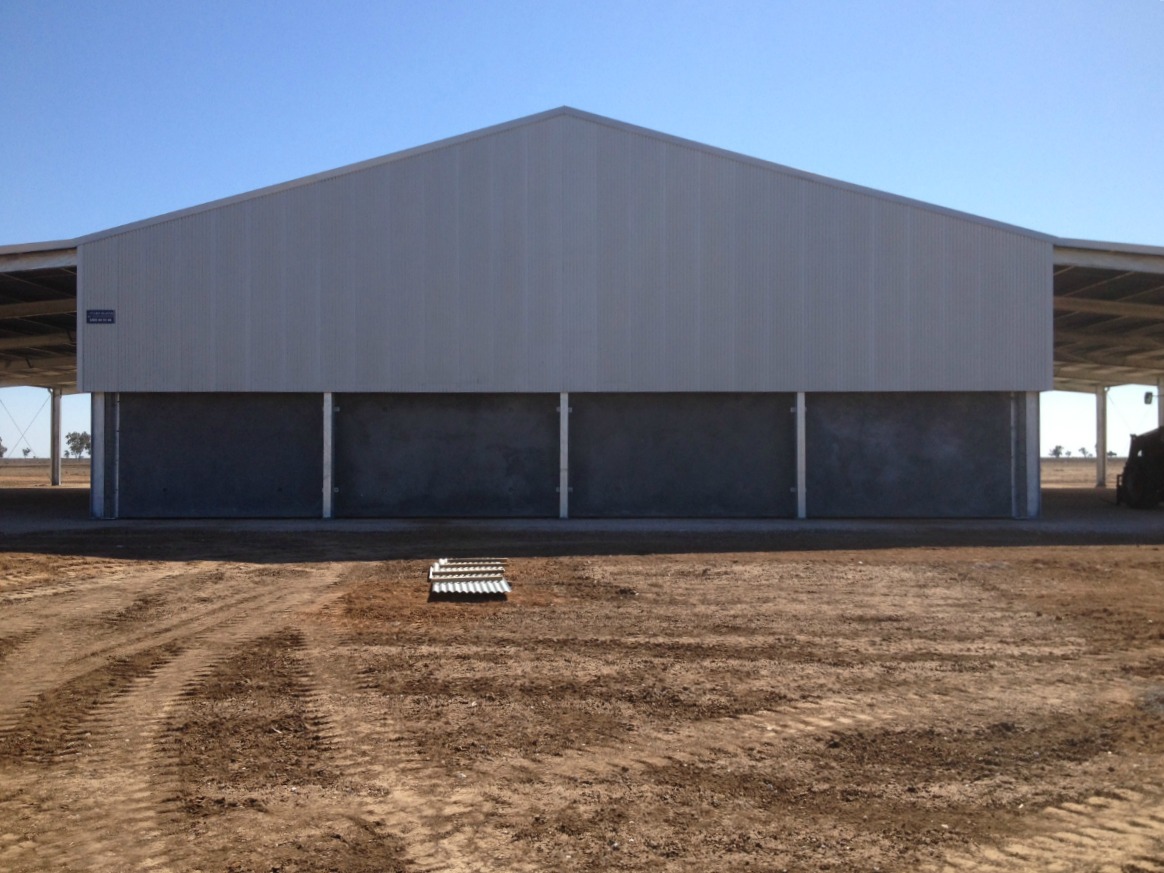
[
  {"x": 219, "y": 455},
  {"x": 450, "y": 455},
  {"x": 567, "y": 253},
  {"x": 682, "y": 455},
  {"x": 910, "y": 455}
]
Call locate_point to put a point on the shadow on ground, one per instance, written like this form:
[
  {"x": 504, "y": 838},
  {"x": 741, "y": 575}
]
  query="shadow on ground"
[{"x": 53, "y": 521}]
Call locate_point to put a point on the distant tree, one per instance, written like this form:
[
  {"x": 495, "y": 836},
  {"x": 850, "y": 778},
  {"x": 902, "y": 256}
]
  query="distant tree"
[
  {"x": 1111, "y": 453},
  {"x": 26, "y": 451},
  {"x": 1057, "y": 452},
  {"x": 80, "y": 444},
  {"x": 2, "y": 449},
  {"x": 1084, "y": 452},
  {"x": 1067, "y": 454}
]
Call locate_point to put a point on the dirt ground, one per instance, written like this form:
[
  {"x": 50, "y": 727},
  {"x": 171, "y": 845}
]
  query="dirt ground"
[
  {"x": 209, "y": 699},
  {"x": 1056, "y": 473},
  {"x": 1077, "y": 472},
  {"x": 19, "y": 473}
]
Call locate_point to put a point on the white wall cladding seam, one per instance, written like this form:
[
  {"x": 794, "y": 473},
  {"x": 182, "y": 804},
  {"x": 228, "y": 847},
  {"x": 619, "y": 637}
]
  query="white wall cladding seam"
[{"x": 567, "y": 254}]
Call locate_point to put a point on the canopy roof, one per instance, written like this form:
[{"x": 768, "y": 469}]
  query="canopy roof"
[
  {"x": 38, "y": 315},
  {"x": 1109, "y": 314}
]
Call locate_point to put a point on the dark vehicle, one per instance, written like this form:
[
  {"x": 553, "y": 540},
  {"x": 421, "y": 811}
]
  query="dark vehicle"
[{"x": 1141, "y": 485}]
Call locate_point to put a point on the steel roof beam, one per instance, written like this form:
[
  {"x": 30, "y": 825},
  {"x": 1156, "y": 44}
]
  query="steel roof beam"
[
  {"x": 1095, "y": 376},
  {"x": 1109, "y": 307},
  {"x": 1111, "y": 340},
  {"x": 38, "y": 308},
  {"x": 36, "y": 282},
  {"x": 1077, "y": 385},
  {"x": 1106, "y": 358},
  {"x": 53, "y": 362},
  {"x": 36, "y": 341}
]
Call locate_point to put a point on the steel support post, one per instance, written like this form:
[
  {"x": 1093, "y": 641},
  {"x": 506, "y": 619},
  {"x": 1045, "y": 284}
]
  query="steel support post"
[
  {"x": 55, "y": 437},
  {"x": 1101, "y": 437},
  {"x": 564, "y": 455},
  {"x": 116, "y": 483},
  {"x": 97, "y": 456},
  {"x": 801, "y": 462},
  {"x": 328, "y": 454},
  {"x": 1034, "y": 477}
]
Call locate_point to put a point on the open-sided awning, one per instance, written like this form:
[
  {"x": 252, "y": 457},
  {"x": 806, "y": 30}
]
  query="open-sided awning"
[
  {"x": 38, "y": 315},
  {"x": 1109, "y": 314}
]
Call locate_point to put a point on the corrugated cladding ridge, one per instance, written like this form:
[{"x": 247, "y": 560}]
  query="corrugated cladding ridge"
[{"x": 567, "y": 254}]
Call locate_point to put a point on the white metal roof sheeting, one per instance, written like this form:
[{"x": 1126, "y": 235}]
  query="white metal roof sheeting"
[
  {"x": 566, "y": 252},
  {"x": 449, "y": 576},
  {"x": 470, "y": 586}
]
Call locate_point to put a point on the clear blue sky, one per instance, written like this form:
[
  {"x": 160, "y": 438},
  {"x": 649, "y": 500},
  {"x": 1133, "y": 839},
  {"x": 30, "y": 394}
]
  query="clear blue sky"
[{"x": 1048, "y": 114}]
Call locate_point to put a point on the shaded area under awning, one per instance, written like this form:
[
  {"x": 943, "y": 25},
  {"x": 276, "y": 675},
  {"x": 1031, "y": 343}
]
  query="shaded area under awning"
[
  {"x": 1109, "y": 315},
  {"x": 38, "y": 316}
]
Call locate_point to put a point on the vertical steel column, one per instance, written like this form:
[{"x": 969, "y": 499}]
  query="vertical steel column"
[
  {"x": 97, "y": 456},
  {"x": 55, "y": 437},
  {"x": 1014, "y": 498},
  {"x": 1101, "y": 437},
  {"x": 1034, "y": 478},
  {"x": 564, "y": 454},
  {"x": 328, "y": 454},
  {"x": 116, "y": 483},
  {"x": 801, "y": 461}
]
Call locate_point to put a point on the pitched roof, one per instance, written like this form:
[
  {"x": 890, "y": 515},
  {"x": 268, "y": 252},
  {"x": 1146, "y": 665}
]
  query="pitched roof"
[{"x": 560, "y": 112}]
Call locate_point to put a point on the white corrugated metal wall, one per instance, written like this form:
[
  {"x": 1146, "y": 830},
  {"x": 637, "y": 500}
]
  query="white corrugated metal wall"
[{"x": 567, "y": 253}]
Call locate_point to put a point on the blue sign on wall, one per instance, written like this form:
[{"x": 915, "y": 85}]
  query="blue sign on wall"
[{"x": 100, "y": 316}]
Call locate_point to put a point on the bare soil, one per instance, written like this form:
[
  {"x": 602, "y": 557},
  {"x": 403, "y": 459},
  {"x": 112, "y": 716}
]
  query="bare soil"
[
  {"x": 35, "y": 473},
  {"x": 1076, "y": 472},
  {"x": 22, "y": 473},
  {"x": 209, "y": 700}
]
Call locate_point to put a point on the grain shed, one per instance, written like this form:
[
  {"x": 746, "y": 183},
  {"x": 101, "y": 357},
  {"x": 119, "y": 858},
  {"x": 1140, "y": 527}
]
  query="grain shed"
[{"x": 566, "y": 316}]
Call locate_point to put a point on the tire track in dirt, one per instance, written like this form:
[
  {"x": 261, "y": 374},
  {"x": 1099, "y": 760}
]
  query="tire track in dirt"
[
  {"x": 1121, "y": 834},
  {"x": 32, "y": 576},
  {"x": 256, "y": 777},
  {"x": 50, "y": 606},
  {"x": 51, "y": 724},
  {"x": 51, "y": 660},
  {"x": 701, "y": 741},
  {"x": 44, "y": 654},
  {"x": 115, "y": 790},
  {"x": 704, "y": 741},
  {"x": 13, "y": 641},
  {"x": 35, "y": 593},
  {"x": 445, "y": 824},
  {"x": 453, "y": 826}
]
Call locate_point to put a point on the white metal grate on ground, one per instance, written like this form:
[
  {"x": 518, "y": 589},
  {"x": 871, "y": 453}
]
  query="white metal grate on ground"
[{"x": 468, "y": 576}]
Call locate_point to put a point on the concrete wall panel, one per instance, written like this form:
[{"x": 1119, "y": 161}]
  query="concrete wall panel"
[
  {"x": 682, "y": 455},
  {"x": 452, "y": 455},
  {"x": 910, "y": 455},
  {"x": 217, "y": 455}
]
